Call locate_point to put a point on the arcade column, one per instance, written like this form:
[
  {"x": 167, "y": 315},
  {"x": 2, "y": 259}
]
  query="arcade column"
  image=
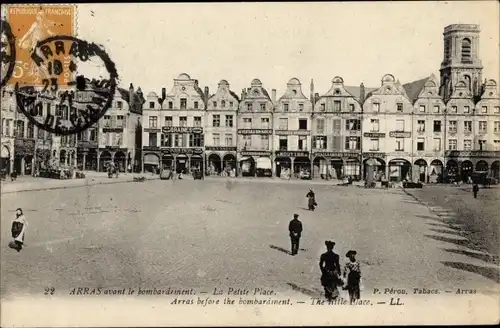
[
  {"x": 189, "y": 164},
  {"x": 292, "y": 167},
  {"x": 84, "y": 161},
  {"x": 99, "y": 157}
]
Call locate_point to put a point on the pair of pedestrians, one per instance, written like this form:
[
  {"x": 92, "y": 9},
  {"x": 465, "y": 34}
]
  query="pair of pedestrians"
[{"x": 332, "y": 275}]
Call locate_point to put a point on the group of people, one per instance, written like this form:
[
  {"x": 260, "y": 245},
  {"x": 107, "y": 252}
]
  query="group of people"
[{"x": 332, "y": 275}]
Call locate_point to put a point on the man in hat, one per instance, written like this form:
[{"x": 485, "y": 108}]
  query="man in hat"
[
  {"x": 295, "y": 229},
  {"x": 312, "y": 200}
]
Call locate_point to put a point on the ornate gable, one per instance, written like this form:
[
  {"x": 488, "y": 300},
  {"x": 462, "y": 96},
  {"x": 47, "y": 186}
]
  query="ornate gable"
[
  {"x": 293, "y": 90},
  {"x": 390, "y": 87},
  {"x": 461, "y": 91},
  {"x": 490, "y": 90},
  {"x": 430, "y": 88}
]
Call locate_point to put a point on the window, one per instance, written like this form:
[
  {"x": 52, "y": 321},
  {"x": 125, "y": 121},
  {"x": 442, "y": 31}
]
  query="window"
[
  {"x": 216, "y": 139},
  {"x": 247, "y": 123},
  {"x": 229, "y": 121},
  {"x": 323, "y": 107},
  {"x": 106, "y": 120},
  {"x": 183, "y": 120},
  {"x": 467, "y": 126},
  {"x": 283, "y": 143},
  {"x": 484, "y": 109},
  {"x": 466, "y": 109},
  {"x": 264, "y": 142},
  {"x": 336, "y": 105},
  {"x": 496, "y": 127},
  {"x": 437, "y": 144},
  {"x": 452, "y": 144},
  {"x": 30, "y": 132},
  {"x": 376, "y": 107},
  {"x": 352, "y": 143},
  {"x": 216, "y": 121},
  {"x": 170, "y": 105},
  {"x": 497, "y": 109},
  {"x": 437, "y": 126},
  {"x": 454, "y": 109},
  {"x": 482, "y": 126},
  {"x": 195, "y": 105},
  {"x": 400, "y": 144},
  {"x": 302, "y": 143},
  {"x": 231, "y": 104},
  {"x": 264, "y": 123},
  {"x": 337, "y": 125},
  {"x": 178, "y": 140},
  {"x": 113, "y": 121},
  {"x": 337, "y": 143},
  {"x": 400, "y": 125},
  {"x": 195, "y": 140},
  {"x": 197, "y": 121},
  {"x": 422, "y": 108},
  {"x": 214, "y": 104},
  {"x": 351, "y": 107},
  {"x": 249, "y": 107},
  {"x": 247, "y": 140},
  {"x": 120, "y": 121},
  {"x": 481, "y": 144},
  {"x": 399, "y": 107},
  {"x": 166, "y": 140},
  {"x": 375, "y": 125},
  {"x": 285, "y": 107},
  {"x": 229, "y": 140},
  {"x": 319, "y": 142},
  {"x": 421, "y": 126},
  {"x": 467, "y": 144},
  {"x": 302, "y": 124},
  {"x": 420, "y": 144},
  {"x": 466, "y": 51},
  {"x": 183, "y": 103},
  {"x": 496, "y": 144},
  {"x": 452, "y": 127},
  {"x": 301, "y": 107},
  {"x": 151, "y": 104},
  {"x": 168, "y": 121},
  {"x": 262, "y": 107},
  {"x": 374, "y": 144},
  {"x": 19, "y": 131},
  {"x": 41, "y": 134},
  {"x": 153, "y": 139},
  {"x": 223, "y": 104},
  {"x": 119, "y": 104},
  {"x": 436, "y": 109},
  {"x": 283, "y": 124},
  {"x": 48, "y": 109},
  {"x": 153, "y": 122},
  {"x": 352, "y": 125},
  {"x": 320, "y": 126}
]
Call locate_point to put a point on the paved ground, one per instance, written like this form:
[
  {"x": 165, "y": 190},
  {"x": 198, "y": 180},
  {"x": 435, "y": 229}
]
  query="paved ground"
[{"x": 204, "y": 234}]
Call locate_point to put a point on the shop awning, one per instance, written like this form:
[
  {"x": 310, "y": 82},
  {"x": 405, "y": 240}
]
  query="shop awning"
[
  {"x": 373, "y": 162},
  {"x": 151, "y": 159},
  {"x": 264, "y": 163}
]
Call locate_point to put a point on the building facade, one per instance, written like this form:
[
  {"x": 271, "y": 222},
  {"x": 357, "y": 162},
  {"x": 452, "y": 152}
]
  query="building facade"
[
  {"x": 9, "y": 114},
  {"x": 221, "y": 131},
  {"x": 173, "y": 134},
  {"x": 336, "y": 133},
  {"x": 292, "y": 131},
  {"x": 255, "y": 130},
  {"x": 117, "y": 131}
]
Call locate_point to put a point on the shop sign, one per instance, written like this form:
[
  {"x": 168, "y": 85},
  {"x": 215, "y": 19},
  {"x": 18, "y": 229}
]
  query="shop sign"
[
  {"x": 399, "y": 134},
  {"x": 255, "y": 131},
  {"x": 151, "y": 130},
  {"x": 114, "y": 148},
  {"x": 87, "y": 144},
  {"x": 220, "y": 148},
  {"x": 292, "y": 154},
  {"x": 104, "y": 130},
  {"x": 373, "y": 155},
  {"x": 182, "y": 151},
  {"x": 256, "y": 153},
  {"x": 151, "y": 148},
  {"x": 292, "y": 132},
  {"x": 182, "y": 129},
  {"x": 336, "y": 154},
  {"x": 468, "y": 153},
  {"x": 374, "y": 135}
]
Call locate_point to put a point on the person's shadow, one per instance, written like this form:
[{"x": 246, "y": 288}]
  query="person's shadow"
[{"x": 281, "y": 249}]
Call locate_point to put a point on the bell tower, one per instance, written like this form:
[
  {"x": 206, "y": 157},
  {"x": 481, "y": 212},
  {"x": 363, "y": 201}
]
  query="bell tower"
[{"x": 461, "y": 59}]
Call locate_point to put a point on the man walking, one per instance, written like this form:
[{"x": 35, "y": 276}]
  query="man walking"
[
  {"x": 295, "y": 229},
  {"x": 475, "y": 189}
]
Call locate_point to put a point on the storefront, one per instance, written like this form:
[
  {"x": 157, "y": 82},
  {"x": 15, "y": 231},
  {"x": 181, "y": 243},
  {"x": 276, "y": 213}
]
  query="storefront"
[
  {"x": 436, "y": 171},
  {"x": 399, "y": 170},
  {"x": 24, "y": 154},
  {"x": 229, "y": 164},
  {"x": 5, "y": 159},
  {"x": 482, "y": 166},
  {"x": 120, "y": 160},
  {"x": 255, "y": 163},
  {"x": 420, "y": 170},
  {"x": 466, "y": 169},
  {"x": 214, "y": 164},
  {"x": 184, "y": 160},
  {"x": 292, "y": 164},
  {"x": 495, "y": 170},
  {"x": 374, "y": 167},
  {"x": 151, "y": 162},
  {"x": 351, "y": 168}
]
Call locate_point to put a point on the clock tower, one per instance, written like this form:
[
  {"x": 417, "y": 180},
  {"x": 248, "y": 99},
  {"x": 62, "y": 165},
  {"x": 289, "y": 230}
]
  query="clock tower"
[{"x": 461, "y": 59}]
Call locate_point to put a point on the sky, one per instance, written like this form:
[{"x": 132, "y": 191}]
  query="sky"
[{"x": 152, "y": 44}]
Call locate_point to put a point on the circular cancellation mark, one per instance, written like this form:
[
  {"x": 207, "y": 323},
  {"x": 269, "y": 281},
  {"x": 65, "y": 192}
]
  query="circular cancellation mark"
[
  {"x": 8, "y": 52},
  {"x": 86, "y": 99}
]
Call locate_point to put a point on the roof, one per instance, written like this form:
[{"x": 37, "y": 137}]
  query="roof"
[
  {"x": 356, "y": 91},
  {"x": 413, "y": 88},
  {"x": 135, "y": 106}
]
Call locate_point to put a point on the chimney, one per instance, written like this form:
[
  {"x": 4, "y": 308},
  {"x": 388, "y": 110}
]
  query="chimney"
[
  {"x": 163, "y": 93},
  {"x": 273, "y": 95},
  {"x": 131, "y": 93},
  {"x": 242, "y": 94},
  {"x": 206, "y": 94},
  {"x": 362, "y": 93}
]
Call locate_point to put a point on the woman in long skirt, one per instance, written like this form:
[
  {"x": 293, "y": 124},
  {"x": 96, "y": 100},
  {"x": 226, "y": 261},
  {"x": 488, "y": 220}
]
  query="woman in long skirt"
[
  {"x": 330, "y": 271},
  {"x": 353, "y": 272},
  {"x": 18, "y": 230}
]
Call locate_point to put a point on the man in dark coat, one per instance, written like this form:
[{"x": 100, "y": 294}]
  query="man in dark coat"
[
  {"x": 311, "y": 204},
  {"x": 475, "y": 190},
  {"x": 295, "y": 229}
]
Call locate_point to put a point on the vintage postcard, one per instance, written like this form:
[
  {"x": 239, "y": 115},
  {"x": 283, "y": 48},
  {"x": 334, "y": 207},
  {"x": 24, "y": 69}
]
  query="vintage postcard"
[{"x": 249, "y": 164}]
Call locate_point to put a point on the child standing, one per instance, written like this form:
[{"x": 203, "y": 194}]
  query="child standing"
[{"x": 353, "y": 272}]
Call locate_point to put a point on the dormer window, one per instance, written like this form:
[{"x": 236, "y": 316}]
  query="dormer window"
[
  {"x": 285, "y": 107},
  {"x": 323, "y": 107},
  {"x": 195, "y": 105},
  {"x": 151, "y": 104},
  {"x": 223, "y": 103},
  {"x": 294, "y": 92},
  {"x": 183, "y": 103},
  {"x": 214, "y": 104},
  {"x": 119, "y": 104},
  {"x": 399, "y": 107},
  {"x": 256, "y": 93},
  {"x": 170, "y": 105}
]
